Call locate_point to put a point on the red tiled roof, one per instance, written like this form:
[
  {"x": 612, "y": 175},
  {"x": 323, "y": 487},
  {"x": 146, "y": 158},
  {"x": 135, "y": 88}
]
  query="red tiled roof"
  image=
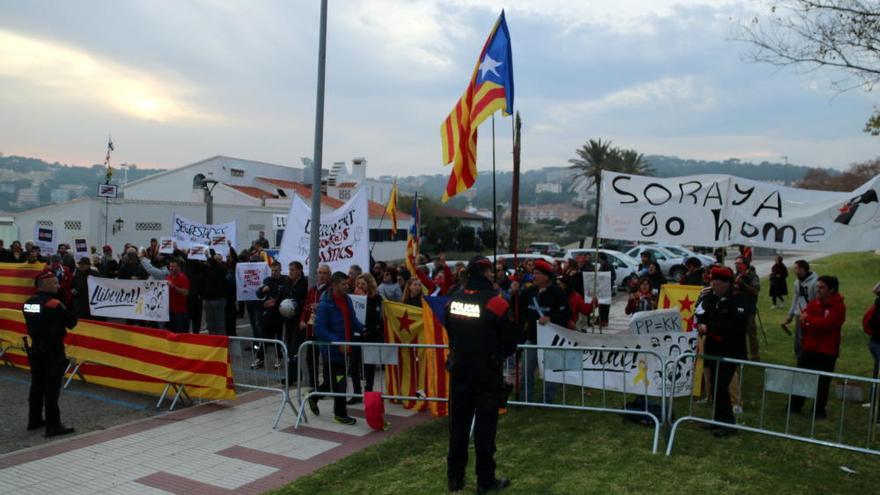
[
  {"x": 255, "y": 192},
  {"x": 374, "y": 209},
  {"x": 347, "y": 185}
]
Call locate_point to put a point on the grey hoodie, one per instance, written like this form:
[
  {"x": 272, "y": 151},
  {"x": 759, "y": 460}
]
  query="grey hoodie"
[{"x": 804, "y": 292}]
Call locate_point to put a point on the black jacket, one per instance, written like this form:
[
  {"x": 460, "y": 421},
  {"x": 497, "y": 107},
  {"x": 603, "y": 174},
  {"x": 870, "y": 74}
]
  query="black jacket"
[
  {"x": 478, "y": 321},
  {"x": 297, "y": 291},
  {"x": 215, "y": 281},
  {"x": 47, "y": 320},
  {"x": 725, "y": 319},
  {"x": 552, "y": 301}
]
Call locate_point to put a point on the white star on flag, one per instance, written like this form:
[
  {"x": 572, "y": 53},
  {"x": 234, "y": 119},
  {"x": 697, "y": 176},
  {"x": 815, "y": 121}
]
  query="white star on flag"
[{"x": 489, "y": 65}]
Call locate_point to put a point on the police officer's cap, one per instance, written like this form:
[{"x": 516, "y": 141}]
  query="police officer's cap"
[{"x": 478, "y": 263}]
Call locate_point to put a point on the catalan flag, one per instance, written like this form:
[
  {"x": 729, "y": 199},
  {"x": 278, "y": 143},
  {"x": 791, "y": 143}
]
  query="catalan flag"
[
  {"x": 135, "y": 358},
  {"x": 684, "y": 298},
  {"x": 490, "y": 89},
  {"x": 412, "y": 239},
  {"x": 434, "y": 332},
  {"x": 391, "y": 208}
]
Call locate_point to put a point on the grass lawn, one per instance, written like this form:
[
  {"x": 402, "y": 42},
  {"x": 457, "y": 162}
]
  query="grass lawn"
[{"x": 548, "y": 451}]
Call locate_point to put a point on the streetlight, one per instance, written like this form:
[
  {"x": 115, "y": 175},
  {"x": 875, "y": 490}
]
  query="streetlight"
[
  {"x": 207, "y": 185},
  {"x": 117, "y": 225},
  {"x": 786, "y": 169}
]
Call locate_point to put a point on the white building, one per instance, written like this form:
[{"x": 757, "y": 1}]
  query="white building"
[
  {"x": 252, "y": 193},
  {"x": 548, "y": 187}
]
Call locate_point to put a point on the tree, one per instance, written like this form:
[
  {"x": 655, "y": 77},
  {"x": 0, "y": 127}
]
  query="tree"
[
  {"x": 842, "y": 35},
  {"x": 633, "y": 162},
  {"x": 856, "y": 175}
]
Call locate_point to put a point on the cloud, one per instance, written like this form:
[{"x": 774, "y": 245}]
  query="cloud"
[{"x": 69, "y": 73}]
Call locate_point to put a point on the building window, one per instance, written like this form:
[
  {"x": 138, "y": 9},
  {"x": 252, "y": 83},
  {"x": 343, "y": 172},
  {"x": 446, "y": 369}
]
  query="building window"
[
  {"x": 44, "y": 223},
  {"x": 72, "y": 225},
  {"x": 236, "y": 172},
  {"x": 255, "y": 227},
  {"x": 345, "y": 194},
  {"x": 148, "y": 226}
]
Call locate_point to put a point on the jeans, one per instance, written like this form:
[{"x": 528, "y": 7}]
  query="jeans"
[
  {"x": 215, "y": 315},
  {"x": 874, "y": 347},
  {"x": 527, "y": 379}
]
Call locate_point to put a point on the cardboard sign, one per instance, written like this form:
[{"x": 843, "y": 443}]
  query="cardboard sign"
[
  {"x": 166, "y": 245},
  {"x": 198, "y": 252},
  {"x": 80, "y": 248},
  {"x": 249, "y": 278},
  {"x": 656, "y": 321},
  {"x": 44, "y": 238}
]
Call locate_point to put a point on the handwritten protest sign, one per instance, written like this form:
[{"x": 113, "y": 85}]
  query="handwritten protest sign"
[
  {"x": 129, "y": 299},
  {"x": 248, "y": 279}
]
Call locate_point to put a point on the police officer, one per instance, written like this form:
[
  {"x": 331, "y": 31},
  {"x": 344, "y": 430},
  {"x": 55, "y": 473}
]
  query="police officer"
[
  {"x": 481, "y": 335},
  {"x": 721, "y": 316},
  {"x": 47, "y": 322}
]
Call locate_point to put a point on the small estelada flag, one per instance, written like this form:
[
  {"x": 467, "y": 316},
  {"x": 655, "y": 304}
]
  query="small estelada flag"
[{"x": 391, "y": 208}]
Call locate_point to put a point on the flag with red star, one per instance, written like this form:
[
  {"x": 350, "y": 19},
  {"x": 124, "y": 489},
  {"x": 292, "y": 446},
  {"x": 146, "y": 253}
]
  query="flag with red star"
[
  {"x": 421, "y": 371},
  {"x": 682, "y": 297}
]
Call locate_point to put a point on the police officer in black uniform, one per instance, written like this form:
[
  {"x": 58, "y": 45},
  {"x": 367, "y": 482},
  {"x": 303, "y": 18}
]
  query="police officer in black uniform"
[
  {"x": 721, "y": 318},
  {"x": 481, "y": 335},
  {"x": 47, "y": 322}
]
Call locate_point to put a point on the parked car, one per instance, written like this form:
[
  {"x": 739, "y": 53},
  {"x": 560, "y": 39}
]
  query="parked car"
[
  {"x": 625, "y": 266},
  {"x": 687, "y": 253},
  {"x": 507, "y": 259},
  {"x": 671, "y": 264},
  {"x": 548, "y": 248}
]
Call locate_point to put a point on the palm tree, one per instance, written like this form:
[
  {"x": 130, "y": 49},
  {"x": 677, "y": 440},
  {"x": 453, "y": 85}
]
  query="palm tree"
[
  {"x": 633, "y": 162},
  {"x": 593, "y": 157}
]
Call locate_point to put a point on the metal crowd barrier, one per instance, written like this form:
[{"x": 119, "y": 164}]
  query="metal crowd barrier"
[
  {"x": 311, "y": 358},
  {"x": 5, "y": 346},
  {"x": 271, "y": 375},
  {"x": 787, "y": 383},
  {"x": 572, "y": 359}
]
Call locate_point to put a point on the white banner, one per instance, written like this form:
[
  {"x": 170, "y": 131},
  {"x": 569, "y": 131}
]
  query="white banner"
[
  {"x": 603, "y": 286},
  {"x": 344, "y": 233},
  {"x": 360, "y": 307},
  {"x": 187, "y": 232},
  {"x": 44, "y": 238},
  {"x": 166, "y": 245},
  {"x": 623, "y": 371},
  {"x": 655, "y": 321},
  {"x": 248, "y": 278},
  {"x": 129, "y": 299},
  {"x": 720, "y": 210}
]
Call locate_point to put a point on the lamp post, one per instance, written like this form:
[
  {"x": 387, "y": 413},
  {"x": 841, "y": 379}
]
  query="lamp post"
[
  {"x": 786, "y": 169},
  {"x": 208, "y": 186}
]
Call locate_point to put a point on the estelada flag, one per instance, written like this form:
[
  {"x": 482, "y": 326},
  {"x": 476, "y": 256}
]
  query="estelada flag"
[
  {"x": 683, "y": 297},
  {"x": 403, "y": 325},
  {"x": 412, "y": 239},
  {"x": 434, "y": 332},
  {"x": 391, "y": 208},
  {"x": 490, "y": 89}
]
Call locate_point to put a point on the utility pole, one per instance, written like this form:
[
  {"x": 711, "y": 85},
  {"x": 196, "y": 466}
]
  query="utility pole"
[
  {"x": 786, "y": 169},
  {"x": 315, "y": 223}
]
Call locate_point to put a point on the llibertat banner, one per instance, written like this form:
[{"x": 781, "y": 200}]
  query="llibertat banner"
[
  {"x": 187, "y": 232},
  {"x": 129, "y": 299},
  {"x": 637, "y": 372},
  {"x": 249, "y": 278},
  {"x": 720, "y": 210},
  {"x": 344, "y": 235}
]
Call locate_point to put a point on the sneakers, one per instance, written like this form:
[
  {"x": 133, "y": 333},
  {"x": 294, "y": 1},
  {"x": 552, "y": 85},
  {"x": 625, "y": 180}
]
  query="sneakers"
[
  {"x": 313, "y": 406},
  {"x": 257, "y": 364},
  {"x": 346, "y": 420},
  {"x": 58, "y": 430},
  {"x": 737, "y": 409},
  {"x": 498, "y": 484}
]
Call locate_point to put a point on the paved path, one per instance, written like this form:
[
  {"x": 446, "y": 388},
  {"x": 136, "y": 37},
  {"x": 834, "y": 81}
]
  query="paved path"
[{"x": 216, "y": 448}]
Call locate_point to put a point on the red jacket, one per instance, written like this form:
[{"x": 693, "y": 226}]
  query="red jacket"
[
  {"x": 578, "y": 307},
  {"x": 431, "y": 286},
  {"x": 823, "y": 319},
  {"x": 313, "y": 297}
]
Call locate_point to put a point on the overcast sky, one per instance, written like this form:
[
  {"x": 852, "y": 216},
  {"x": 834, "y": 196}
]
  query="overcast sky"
[{"x": 179, "y": 81}]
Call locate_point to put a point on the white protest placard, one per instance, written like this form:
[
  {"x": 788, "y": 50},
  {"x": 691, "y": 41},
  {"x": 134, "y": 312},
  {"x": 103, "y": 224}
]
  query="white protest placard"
[
  {"x": 603, "y": 286},
  {"x": 635, "y": 372},
  {"x": 166, "y": 245},
  {"x": 359, "y": 303},
  {"x": 219, "y": 244},
  {"x": 720, "y": 210},
  {"x": 80, "y": 248},
  {"x": 344, "y": 234},
  {"x": 198, "y": 252},
  {"x": 187, "y": 232},
  {"x": 44, "y": 238},
  {"x": 279, "y": 222},
  {"x": 655, "y": 321},
  {"x": 249, "y": 278},
  {"x": 129, "y": 299}
]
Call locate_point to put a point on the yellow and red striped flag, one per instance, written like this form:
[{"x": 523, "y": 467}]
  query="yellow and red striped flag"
[
  {"x": 391, "y": 208},
  {"x": 17, "y": 283},
  {"x": 490, "y": 89},
  {"x": 412, "y": 239}
]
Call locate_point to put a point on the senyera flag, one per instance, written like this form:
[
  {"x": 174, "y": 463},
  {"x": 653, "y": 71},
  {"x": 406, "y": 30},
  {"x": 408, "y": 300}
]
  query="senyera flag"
[
  {"x": 412, "y": 239},
  {"x": 489, "y": 90},
  {"x": 17, "y": 283},
  {"x": 135, "y": 358}
]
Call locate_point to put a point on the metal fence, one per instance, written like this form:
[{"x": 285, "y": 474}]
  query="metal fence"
[
  {"x": 578, "y": 394},
  {"x": 317, "y": 361},
  {"x": 847, "y": 421},
  {"x": 262, "y": 364}
]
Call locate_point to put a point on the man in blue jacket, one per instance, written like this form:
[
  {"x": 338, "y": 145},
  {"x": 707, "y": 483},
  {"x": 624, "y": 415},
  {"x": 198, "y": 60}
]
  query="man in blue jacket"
[{"x": 336, "y": 322}]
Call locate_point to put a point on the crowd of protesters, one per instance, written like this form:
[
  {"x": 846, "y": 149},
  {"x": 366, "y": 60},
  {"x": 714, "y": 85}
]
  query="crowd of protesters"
[{"x": 539, "y": 292}]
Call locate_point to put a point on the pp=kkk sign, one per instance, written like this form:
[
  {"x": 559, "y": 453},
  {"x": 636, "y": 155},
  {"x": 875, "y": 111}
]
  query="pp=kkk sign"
[{"x": 107, "y": 190}]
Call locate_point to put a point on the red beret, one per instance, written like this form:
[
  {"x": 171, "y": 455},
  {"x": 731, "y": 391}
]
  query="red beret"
[
  {"x": 722, "y": 273},
  {"x": 43, "y": 275},
  {"x": 107, "y": 247},
  {"x": 545, "y": 267}
]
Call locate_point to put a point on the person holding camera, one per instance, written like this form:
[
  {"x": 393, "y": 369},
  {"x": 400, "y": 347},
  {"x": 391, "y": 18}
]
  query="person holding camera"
[{"x": 271, "y": 294}]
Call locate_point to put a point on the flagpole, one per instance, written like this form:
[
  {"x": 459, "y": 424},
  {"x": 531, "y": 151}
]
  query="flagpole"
[
  {"x": 494, "y": 204},
  {"x": 314, "y": 237}
]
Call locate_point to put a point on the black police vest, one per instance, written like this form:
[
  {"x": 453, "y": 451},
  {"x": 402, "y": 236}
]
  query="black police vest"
[
  {"x": 472, "y": 327},
  {"x": 45, "y": 317}
]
